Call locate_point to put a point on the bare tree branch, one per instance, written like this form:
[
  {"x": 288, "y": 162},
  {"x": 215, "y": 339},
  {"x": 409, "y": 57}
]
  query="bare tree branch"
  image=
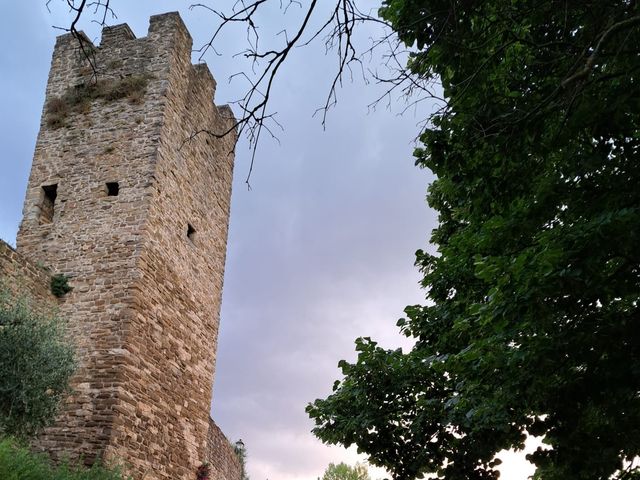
[
  {"x": 337, "y": 32},
  {"x": 78, "y": 9}
]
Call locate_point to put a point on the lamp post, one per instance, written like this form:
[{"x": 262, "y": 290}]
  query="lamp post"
[
  {"x": 240, "y": 445},
  {"x": 240, "y": 451}
]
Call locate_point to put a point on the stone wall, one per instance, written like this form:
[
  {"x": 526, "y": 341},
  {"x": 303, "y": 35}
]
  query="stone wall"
[
  {"x": 221, "y": 456},
  {"x": 147, "y": 263},
  {"x": 22, "y": 278}
]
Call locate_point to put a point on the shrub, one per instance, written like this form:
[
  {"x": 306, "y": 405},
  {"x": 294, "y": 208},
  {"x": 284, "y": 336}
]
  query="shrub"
[
  {"x": 57, "y": 111},
  {"x": 36, "y": 363},
  {"x": 203, "y": 472},
  {"x": 18, "y": 463},
  {"x": 60, "y": 285}
]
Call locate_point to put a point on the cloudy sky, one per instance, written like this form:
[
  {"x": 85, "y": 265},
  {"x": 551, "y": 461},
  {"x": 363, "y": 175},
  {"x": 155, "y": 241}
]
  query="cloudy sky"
[{"x": 320, "y": 250}]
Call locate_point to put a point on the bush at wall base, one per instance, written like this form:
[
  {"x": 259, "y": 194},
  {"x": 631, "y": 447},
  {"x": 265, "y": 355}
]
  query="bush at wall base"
[{"x": 18, "y": 463}]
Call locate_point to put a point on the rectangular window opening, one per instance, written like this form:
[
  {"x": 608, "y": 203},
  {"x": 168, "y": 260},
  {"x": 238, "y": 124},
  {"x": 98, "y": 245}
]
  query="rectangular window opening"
[
  {"x": 50, "y": 192},
  {"x": 191, "y": 232},
  {"x": 113, "y": 188}
]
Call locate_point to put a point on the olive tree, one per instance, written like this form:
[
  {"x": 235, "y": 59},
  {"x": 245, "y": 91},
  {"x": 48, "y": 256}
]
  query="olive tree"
[{"x": 36, "y": 362}]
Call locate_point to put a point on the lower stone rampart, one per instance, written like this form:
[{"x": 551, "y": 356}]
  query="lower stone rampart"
[
  {"x": 23, "y": 278},
  {"x": 221, "y": 456}
]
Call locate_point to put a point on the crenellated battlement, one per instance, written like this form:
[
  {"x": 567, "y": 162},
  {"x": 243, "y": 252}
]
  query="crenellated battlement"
[
  {"x": 137, "y": 218},
  {"x": 165, "y": 49},
  {"x": 115, "y": 35},
  {"x": 163, "y": 27}
]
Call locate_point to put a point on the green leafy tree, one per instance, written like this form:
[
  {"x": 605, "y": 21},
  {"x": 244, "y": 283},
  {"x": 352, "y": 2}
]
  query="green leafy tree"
[
  {"x": 342, "y": 471},
  {"x": 531, "y": 323},
  {"x": 36, "y": 362}
]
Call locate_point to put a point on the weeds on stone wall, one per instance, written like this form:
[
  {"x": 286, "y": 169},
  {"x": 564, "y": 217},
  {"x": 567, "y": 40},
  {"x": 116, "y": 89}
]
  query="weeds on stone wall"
[
  {"x": 78, "y": 99},
  {"x": 60, "y": 285},
  {"x": 203, "y": 472}
]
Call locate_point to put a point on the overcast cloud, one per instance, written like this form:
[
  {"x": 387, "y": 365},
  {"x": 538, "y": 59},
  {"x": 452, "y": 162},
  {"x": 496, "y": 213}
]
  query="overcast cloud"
[{"x": 320, "y": 250}]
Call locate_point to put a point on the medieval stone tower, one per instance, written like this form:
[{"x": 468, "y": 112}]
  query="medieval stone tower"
[{"x": 135, "y": 213}]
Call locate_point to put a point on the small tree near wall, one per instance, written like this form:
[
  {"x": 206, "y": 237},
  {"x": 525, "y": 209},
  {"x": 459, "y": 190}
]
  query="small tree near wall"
[{"x": 36, "y": 363}]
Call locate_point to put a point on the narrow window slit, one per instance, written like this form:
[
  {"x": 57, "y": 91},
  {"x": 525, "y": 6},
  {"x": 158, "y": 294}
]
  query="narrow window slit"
[
  {"x": 191, "y": 232},
  {"x": 50, "y": 192},
  {"x": 113, "y": 188}
]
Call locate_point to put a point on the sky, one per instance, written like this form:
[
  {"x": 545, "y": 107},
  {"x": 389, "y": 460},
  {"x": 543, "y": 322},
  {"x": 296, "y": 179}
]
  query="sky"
[{"x": 320, "y": 250}]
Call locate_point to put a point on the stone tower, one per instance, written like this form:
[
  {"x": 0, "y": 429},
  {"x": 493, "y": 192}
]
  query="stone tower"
[{"x": 135, "y": 213}]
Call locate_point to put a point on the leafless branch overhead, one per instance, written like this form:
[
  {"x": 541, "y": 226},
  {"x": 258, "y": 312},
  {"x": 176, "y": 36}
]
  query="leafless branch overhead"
[{"x": 336, "y": 31}]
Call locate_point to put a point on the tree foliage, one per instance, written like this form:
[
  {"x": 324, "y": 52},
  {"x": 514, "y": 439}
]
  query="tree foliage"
[
  {"x": 531, "y": 322},
  {"x": 36, "y": 362},
  {"x": 342, "y": 471}
]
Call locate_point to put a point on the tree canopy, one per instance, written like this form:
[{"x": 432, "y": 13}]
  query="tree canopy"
[
  {"x": 531, "y": 322},
  {"x": 342, "y": 471}
]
